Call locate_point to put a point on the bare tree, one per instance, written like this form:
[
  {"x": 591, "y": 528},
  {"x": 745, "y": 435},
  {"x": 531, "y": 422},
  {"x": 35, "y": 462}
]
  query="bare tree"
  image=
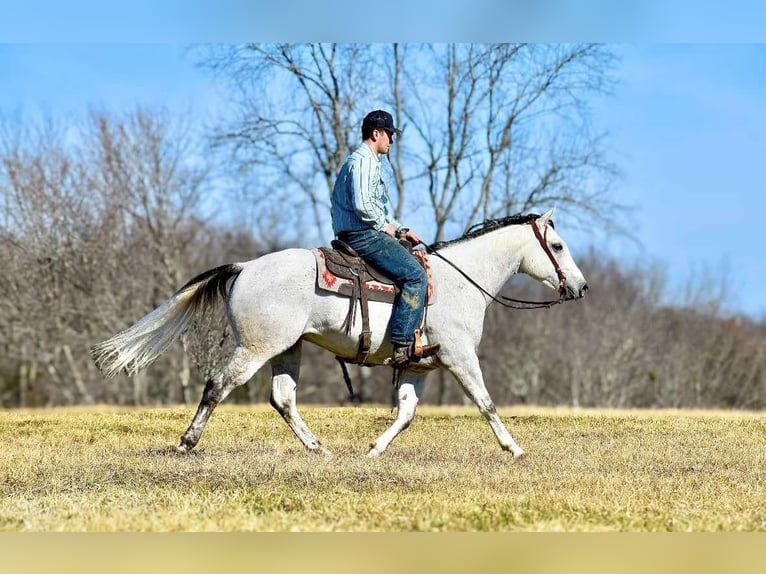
[
  {"x": 299, "y": 111},
  {"x": 98, "y": 228},
  {"x": 488, "y": 129},
  {"x": 503, "y": 128}
]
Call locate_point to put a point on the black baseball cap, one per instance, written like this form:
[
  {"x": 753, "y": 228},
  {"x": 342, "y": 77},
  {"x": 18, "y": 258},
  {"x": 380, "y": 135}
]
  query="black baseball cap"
[{"x": 380, "y": 120}]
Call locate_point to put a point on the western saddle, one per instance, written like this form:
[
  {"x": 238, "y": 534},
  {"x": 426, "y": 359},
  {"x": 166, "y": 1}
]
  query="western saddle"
[{"x": 345, "y": 263}]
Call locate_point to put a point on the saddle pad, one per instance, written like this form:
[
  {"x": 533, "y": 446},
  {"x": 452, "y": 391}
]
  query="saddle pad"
[{"x": 376, "y": 291}]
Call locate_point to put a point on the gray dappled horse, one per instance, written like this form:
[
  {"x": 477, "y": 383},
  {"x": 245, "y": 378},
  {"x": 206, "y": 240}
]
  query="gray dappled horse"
[{"x": 273, "y": 305}]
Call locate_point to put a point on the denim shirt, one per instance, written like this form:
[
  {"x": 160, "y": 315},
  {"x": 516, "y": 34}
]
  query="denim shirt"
[{"x": 359, "y": 198}]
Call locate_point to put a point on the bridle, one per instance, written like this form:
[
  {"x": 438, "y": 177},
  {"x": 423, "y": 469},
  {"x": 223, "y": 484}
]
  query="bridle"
[
  {"x": 543, "y": 240},
  {"x": 510, "y": 302}
]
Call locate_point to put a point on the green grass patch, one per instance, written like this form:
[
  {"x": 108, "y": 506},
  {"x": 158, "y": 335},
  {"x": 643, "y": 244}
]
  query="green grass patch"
[{"x": 110, "y": 469}]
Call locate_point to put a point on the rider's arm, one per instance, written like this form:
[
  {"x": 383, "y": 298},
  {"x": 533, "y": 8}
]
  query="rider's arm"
[{"x": 371, "y": 205}]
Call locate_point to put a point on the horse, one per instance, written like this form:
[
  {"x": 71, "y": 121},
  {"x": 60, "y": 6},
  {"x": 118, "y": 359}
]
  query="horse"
[{"x": 273, "y": 306}]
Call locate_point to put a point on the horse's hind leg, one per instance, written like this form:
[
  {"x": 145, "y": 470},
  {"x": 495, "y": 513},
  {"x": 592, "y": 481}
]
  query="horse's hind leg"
[
  {"x": 285, "y": 372},
  {"x": 409, "y": 390},
  {"x": 240, "y": 368}
]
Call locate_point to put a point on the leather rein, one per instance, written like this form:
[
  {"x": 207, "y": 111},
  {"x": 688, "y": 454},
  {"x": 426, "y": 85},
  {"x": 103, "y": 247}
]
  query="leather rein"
[{"x": 510, "y": 302}]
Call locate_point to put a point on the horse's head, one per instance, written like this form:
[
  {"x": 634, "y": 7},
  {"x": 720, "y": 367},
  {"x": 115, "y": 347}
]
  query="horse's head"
[{"x": 547, "y": 259}]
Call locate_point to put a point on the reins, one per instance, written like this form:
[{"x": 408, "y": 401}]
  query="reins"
[{"x": 511, "y": 302}]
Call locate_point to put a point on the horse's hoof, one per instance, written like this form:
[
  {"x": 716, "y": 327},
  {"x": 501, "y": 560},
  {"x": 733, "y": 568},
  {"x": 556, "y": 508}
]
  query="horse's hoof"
[
  {"x": 374, "y": 452},
  {"x": 182, "y": 449},
  {"x": 517, "y": 454},
  {"x": 321, "y": 451}
]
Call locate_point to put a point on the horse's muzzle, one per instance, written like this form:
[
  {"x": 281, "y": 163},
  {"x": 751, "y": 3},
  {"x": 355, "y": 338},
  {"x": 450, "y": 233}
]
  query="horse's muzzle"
[{"x": 571, "y": 293}]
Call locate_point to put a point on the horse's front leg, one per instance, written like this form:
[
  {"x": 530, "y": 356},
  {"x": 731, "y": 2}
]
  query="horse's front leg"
[
  {"x": 285, "y": 372},
  {"x": 467, "y": 371},
  {"x": 409, "y": 390}
]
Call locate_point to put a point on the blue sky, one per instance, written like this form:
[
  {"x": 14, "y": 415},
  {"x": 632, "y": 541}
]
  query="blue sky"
[
  {"x": 332, "y": 20},
  {"x": 688, "y": 128}
]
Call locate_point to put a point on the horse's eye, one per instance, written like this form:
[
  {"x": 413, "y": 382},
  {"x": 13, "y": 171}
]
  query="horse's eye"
[{"x": 557, "y": 247}]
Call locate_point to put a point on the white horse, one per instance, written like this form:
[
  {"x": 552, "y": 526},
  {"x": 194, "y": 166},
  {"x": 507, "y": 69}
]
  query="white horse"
[{"x": 273, "y": 306}]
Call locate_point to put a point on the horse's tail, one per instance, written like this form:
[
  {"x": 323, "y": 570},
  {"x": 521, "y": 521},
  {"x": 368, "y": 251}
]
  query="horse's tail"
[{"x": 139, "y": 345}]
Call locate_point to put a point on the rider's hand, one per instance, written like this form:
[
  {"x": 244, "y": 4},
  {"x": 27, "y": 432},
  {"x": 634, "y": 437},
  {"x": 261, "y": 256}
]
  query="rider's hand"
[
  {"x": 390, "y": 230},
  {"x": 413, "y": 237}
]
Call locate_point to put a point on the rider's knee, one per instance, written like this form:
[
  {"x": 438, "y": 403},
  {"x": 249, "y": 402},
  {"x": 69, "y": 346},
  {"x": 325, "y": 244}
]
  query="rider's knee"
[{"x": 418, "y": 279}]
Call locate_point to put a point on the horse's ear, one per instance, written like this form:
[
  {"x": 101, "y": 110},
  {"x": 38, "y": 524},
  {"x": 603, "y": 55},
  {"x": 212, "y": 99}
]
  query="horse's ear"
[{"x": 542, "y": 221}]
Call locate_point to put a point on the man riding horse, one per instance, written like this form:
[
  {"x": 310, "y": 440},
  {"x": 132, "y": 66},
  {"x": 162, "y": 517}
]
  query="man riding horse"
[{"x": 362, "y": 217}]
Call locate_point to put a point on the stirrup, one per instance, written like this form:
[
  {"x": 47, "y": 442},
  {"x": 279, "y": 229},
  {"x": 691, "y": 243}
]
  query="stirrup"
[
  {"x": 427, "y": 350},
  {"x": 421, "y": 351},
  {"x": 403, "y": 355}
]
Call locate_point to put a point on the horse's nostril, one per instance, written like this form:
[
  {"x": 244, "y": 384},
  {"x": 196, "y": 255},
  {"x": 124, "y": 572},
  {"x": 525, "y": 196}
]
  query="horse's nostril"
[{"x": 583, "y": 290}]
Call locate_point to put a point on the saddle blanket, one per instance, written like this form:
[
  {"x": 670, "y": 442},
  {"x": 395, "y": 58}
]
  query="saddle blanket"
[{"x": 376, "y": 291}]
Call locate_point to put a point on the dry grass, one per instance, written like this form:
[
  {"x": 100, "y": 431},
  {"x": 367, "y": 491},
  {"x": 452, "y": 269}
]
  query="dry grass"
[{"x": 107, "y": 469}]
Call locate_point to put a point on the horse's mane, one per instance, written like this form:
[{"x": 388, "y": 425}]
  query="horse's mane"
[{"x": 489, "y": 225}]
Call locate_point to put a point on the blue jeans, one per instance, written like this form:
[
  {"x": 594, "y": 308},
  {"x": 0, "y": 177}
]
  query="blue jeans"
[{"x": 386, "y": 254}]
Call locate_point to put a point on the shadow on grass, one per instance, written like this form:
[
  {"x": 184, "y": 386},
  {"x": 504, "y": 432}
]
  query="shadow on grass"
[{"x": 170, "y": 451}]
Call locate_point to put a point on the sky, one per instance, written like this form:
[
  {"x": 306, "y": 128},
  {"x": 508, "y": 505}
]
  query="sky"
[
  {"x": 687, "y": 125},
  {"x": 688, "y": 128}
]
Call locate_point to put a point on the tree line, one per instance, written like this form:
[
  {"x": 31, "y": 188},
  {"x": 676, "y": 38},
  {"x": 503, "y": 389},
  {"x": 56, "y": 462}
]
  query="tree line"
[{"x": 103, "y": 218}]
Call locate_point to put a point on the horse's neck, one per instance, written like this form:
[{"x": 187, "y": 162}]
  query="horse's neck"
[{"x": 491, "y": 259}]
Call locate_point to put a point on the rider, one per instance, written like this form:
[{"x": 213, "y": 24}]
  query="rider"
[{"x": 362, "y": 217}]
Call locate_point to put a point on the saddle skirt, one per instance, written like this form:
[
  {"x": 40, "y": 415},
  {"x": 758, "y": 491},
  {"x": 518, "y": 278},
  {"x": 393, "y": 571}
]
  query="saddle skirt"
[{"x": 335, "y": 274}]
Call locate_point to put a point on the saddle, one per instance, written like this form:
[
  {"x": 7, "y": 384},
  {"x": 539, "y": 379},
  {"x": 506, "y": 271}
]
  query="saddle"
[{"x": 342, "y": 271}]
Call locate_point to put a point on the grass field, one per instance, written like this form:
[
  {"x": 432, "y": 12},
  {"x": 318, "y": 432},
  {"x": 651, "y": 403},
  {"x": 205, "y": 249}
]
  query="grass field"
[{"x": 109, "y": 469}]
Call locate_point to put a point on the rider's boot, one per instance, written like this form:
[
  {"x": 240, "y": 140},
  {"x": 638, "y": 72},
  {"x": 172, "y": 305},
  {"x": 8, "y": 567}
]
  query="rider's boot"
[
  {"x": 402, "y": 355},
  {"x": 412, "y": 352}
]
